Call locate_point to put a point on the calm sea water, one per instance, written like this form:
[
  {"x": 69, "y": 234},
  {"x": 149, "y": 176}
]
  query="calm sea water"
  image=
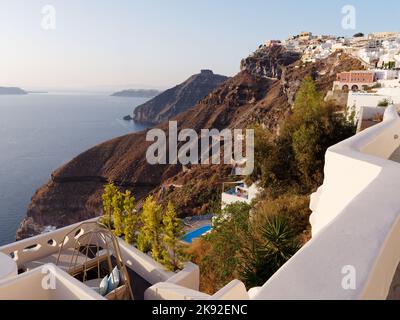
[{"x": 40, "y": 132}]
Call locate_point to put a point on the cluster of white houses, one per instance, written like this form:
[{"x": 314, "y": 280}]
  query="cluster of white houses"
[{"x": 378, "y": 49}]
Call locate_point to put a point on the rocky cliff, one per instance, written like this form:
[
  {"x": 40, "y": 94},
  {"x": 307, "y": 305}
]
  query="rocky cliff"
[
  {"x": 178, "y": 99},
  {"x": 269, "y": 62},
  {"x": 252, "y": 96}
]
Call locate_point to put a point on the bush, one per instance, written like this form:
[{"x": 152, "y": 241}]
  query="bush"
[
  {"x": 242, "y": 243},
  {"x": 383, "y": 103},
  {"x": 220, "y": 261}
]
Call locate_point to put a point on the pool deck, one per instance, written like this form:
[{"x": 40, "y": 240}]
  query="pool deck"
[{"x": 196, "y": 225}]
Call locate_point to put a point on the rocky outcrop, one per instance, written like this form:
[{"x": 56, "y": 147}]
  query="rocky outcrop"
[
  {"x": 269, "y": 62},
  {"x": 74, "y": 191},
  {"x": 178, "y": 99}
]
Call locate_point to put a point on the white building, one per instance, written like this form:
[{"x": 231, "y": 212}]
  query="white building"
[
  {"x": 239, "y": 192},
  {"x": 381, "y": 74},
  {"x": 357, "y": 100}
]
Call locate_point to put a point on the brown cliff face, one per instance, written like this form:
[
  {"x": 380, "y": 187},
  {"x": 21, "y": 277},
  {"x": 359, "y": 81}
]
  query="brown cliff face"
[
  {"x": 269, "y": 62},
  {"x": 74, "y": 191},
  {"x": 179, "y": 98}
]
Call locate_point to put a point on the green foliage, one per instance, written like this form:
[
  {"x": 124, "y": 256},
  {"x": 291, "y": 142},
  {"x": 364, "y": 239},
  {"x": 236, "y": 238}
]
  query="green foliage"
[
  {"x": 117, "y": 207},
  {"x": 131, "y": 220},
  {"x": 110, "y": 190},
  {"x": 389, "y": 65},
  {"x": 359, "y": 35},
  {"x": 295, "y": 158},
  {"x": 376, "y": 86},
  {"x": 251, "y": 244},
  {"x": 119, "y": 212},
  {"x": 160, "y": 234},
  {"x": 383, "y": 103},
  {"x": 261, "y": 258},
  {"x": 172, "y": 253},
  {"x": 230, "y": 230},
  {"x": 149, "y": 237}
]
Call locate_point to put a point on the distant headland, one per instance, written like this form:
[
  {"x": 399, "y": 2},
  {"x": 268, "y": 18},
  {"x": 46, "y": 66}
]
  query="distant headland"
[
  {"x": 137, "y": 93},
  {"x": 12, "y": 91}
]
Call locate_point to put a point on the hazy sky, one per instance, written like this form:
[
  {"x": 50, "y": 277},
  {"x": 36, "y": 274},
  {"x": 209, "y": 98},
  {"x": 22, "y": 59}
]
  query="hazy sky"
[{"x": 99, "y": 44}]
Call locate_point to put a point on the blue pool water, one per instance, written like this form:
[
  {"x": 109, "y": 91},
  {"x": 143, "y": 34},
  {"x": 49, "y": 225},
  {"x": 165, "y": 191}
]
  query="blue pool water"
[{"x": 190, "y": 236}]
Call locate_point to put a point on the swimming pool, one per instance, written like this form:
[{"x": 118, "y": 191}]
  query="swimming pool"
[{"x": 188, "y": 237}]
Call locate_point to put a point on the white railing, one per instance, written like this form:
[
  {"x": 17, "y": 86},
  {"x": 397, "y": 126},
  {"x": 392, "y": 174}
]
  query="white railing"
[
  {"x": 356, "y": 224},
  {"x": 45, "y": 244}
]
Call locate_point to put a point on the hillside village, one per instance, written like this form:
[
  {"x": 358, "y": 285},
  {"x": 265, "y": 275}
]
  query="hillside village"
[{"x": 365, "y": 92}]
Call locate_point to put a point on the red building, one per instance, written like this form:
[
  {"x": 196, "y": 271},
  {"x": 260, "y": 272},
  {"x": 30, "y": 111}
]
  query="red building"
[{"x": 366, "y": 77}]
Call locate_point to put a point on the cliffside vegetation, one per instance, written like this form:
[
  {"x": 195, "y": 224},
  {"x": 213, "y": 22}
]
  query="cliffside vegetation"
[
  {"x": 294, "y": 159},
  {"x": 252, "y": 242}
]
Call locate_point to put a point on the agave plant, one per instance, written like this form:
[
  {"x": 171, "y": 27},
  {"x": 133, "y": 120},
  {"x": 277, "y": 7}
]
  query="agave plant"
[{"x": 263, "y": 257}]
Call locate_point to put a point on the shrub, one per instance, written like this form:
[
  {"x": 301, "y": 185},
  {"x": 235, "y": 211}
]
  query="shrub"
[
  {"x": 260, "y": 259},
  {"x": 149, "y": 237},
  {"x": 172, "y": 254},
  {"x": 383, "y": 103}
]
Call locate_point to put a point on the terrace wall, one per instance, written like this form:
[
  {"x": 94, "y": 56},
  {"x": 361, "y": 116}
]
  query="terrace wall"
[{"x": 355, "y": 224}]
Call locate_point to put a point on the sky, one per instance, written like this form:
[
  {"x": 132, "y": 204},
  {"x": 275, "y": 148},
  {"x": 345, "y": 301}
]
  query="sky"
[{"x": 105, "y": 45}]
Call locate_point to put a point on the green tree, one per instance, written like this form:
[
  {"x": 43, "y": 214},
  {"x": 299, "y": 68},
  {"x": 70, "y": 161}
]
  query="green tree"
[
  {"x": 117, "y": 206},
  {"x": 149, "y": 237},
  {"x": 120, "y": 212},
  {"x": 172, "y": 232},
  {"x": 110, "y": 190},
  {"x": 131, "y": 218}
]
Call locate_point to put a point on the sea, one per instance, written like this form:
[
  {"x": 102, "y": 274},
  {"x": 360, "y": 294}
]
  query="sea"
[{"x": 41, "y": 132}]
